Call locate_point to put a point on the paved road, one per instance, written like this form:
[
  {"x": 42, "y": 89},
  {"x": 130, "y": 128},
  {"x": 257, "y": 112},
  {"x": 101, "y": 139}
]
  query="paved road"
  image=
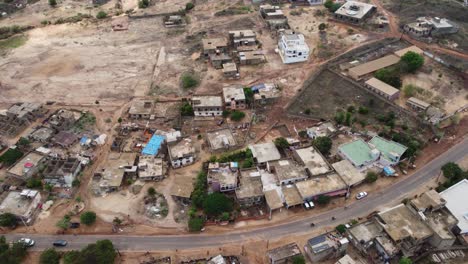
[{"x": 358, "y": 209}]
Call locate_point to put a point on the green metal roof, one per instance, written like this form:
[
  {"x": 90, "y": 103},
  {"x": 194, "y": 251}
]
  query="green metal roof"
[
  {"x": 358, "y": 151},
  {"x": 387, "y": 146}
]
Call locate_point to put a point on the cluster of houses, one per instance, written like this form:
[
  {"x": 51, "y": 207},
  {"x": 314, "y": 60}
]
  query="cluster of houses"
[
  {"x": 430, "y": 27},
  {"x": 18, "y": 117}
]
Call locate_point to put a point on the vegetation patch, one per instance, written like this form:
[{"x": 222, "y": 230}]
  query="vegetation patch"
[{"x": 234, "y": 10}]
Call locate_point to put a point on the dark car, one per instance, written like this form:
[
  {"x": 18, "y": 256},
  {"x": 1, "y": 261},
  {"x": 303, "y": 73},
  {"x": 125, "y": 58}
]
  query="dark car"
[
  {"x": 60, "y": 243},
  {"x": 74, "y": 225}
]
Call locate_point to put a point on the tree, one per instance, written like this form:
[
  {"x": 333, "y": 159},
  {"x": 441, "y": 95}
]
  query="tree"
[
  {"x": 451, "y": 171},
  {"x": 328, "y": 4},
  {"x": 303, "y": 134},
  {"x": 188, "y": 81},
  {"x": 102, "y": 252},
  {"x": 341, "y": 228},
  {"x": 249, "y": 95},
  {"x": 225, "y": 216},
  {"x": 389, "y": 76},
  {"x": 34, "y": 183},
  {"x": 143, "y": 3},
  {"x": 237, "y": 115},
  {"x": 48, "y": 187},
  {"x": 371, "y": 177},
  {"x": 7, "y": 220},
  {"x": 70, "y": 257},
  {"x": 322, "y": 26},
  {"x": 101, "y": 15},
  {"x": 281, "y": 143},
  {"x": 323, "y": 199},
  {"x": 217, "y": 203},
  {"x": 52, "y": 3},
  {"x": 195, "y": 224},
  {"x": 363, "y": 110},
  {"x": 88, "y": 218},
  {"x": 189, "y": 6},
  {"x": 117, "y": 221},
  {"x": 76, "y": 183},
  {"x": 50, "y": 256},
  {"x": 23, "y": 142},
  {"x": 323, "y": 144},
  {"x": 411, "y": 61},
  {"x": 226, "y": 113},
  {"x": 10, "y": 156},
  {"x": 151, "y": 191},
  {"x": 348, "y": 120},
  {"x": 298, "y": 260},
  {"x": 340, "y": 117},
  {"x": 405, "y": 260},
  {"x": 248, "y": 163},
  {"x": 64, "y": 223},
  {"x": 13, "y": 254},
  {"x": 186, "y": 110}
]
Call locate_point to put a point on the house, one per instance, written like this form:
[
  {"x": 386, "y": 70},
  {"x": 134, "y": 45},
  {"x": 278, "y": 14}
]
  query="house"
[
  {"x": 218, "y": 59},
  {"x": 348, "y": 173},
  {"x": 252, "y": 57},
  {"x": 230, "y": 70},
  {"x": 363, "y": 69},
  {"x": 23, "y": 204},
  {"x": 250, "y": 190},
  {"x": 182, "y": 188},
  {"x": 245, "y": 37},
  {"x": 19, "y": 116},
  {"x": 293, "y": 48},
  {"x": 417, "y": 104},
  {"x": 214, "y": 46},
  {"x": 324, "y": 247},
  {"x": 326, "y": 129},
  {"x": 153, "y": 146},
  {"x": 430, "y": 26},
  {"x": 64, "y": 119},
  {"x": 329, "y": 185},
  {"x": 315, "y": 164},
  {"x": 354, "y": 12},
  {"x": 457, "y": 205},
  {"x": 274, "y": 17},
  {"x": 287, "y": 171},
  {"x": 61, "y": 172},
  {"x": 283, "y": 254},
  {"x": 151, "y": 168},
  {"x": 26, "y": 167},
  {"x": 390, "y": 151},
  {"x": 64, "y": 139},
  {"x": 265, "y": 152},
  {"x": 181, "y": 153},
  {"x": 222, "y": 177},
  {"x": 141, "y": 109},
  {"x": 234, "y": 97},
  {"x": 347, "y": 259},
  {"x": 174, "y": 21},
  {"x": 291, "y": 196},
  {"x": 207, "y": 105},
  {"x": 265, "y": 93},
  {"x": 221, "y": 139},
  {"x": 385, "y": 90},
  {"x": 42, "y": 134},
  {"x": 111, "y": 174}
]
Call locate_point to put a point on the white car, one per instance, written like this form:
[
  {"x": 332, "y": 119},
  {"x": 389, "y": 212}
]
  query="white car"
[
  {"x": 27, "y": 241},
  {"x": 361, "y": 195}
]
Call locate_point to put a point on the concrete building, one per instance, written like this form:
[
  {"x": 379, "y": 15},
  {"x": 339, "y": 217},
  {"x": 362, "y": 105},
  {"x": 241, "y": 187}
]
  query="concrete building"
[
  {"x": 19, "y": 116},
  {"x": 284, "y": 254},
  {"x": 323, "y": 130},
  {"x": 354, "y": 12},
  {"x": 273, "y": 200},
  {"x": 324, "y": 247},
  {"x": 141, "y": 109},
  {"x": 265, "y": 93},
  {"x": 214, "y": 46},
  {"x": 430, "y": 26},
  {"x": 348, "y": 173},
  {"x": 245, "y": 37},
  {"x": 111, "y": 174},
  {"x": 347, "y": 259},
  {"x": 265, "y": 152},
  {"x": 181, "y": 153},
  {"x": 222, "y": 177},
  {"x": 26, "y": 167},
  {"x": 390, "y": 151},
  {"x": 293, "y": 48},
  {"x": 64, "y": 139},
  {"x": 151, "y": 168},
  {"x": 416, "y": 104},
  {"x": 64, "y": 119},
  {"x": 250, "y": 190},
  {"x": 315, "y": 164},
  {"x": 42, "y": 134},
  {"x": 23, "y": 204},
  {"x": 207, "y": 105},
  {"x": 61, "y": 172},
  {"x": 221, "y": 139},
  {"x": 363, "y": 69},
  {"x": 234, "y": 97},
  {"x": 252, "y": 57},
  {"x": 287, "y": 171},
  {"x": 174, "y": 21},
  {"x": 457, "y": 205},
  {"x": 329, "y": 185},
  {"x": 291, "y": 196},
  {"x": 386, "y": 91},
  {"x": 274, "y": 17},
  {"x": 230, "y": 70},
  {"x": 182, "y": 188},
  {"x": 219, "y": 59}
]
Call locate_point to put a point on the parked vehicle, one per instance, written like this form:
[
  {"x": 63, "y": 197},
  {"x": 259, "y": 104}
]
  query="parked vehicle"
[
  {"x": 361, "y": 195},
  {"x": 312, "y": 224},
  {"x": 74, "y": 225},
  {"x": 28, "y": 242},
  {"x": 311, "y": 204},
  {"x": 306, "y": 205},
  {"x": 60, "y": 243}
]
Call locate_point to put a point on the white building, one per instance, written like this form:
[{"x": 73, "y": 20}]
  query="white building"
[
  {"x": 456, "y": 197},
  {"x": 207, "y": 105},
  {"x": 182, "y": 153},
  {"x": 293, "y": 48}
]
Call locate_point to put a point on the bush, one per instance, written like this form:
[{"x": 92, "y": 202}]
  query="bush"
[
  {"x": 307, "y": 111},
  {"x": 216, "y": 204},
  {"x": 371, "y": 177},
  {"x": 11, "y": 254},
  {"x": 322, "y": 26},
  {"x": 248, "y": 163},
  {"x": 50, "y": 256},
  {"x": 225, "y": 216},
  {"x": 64, "y": 223},
  {"x": 195, "y": 224},
  {"x": 226, "y": 113},
  {"x": 237, "y": 115},
  {"x": 390, "y": 76},
  {"x": 88, "y": 218},
  {"x": 143, "y": 3},
  {"x": 53, "y": 3},
  {"x": 411, "y": 62},
  {"x": 102, "y": 252},
  {"x": 189, "y": 6},
  {"x": 281, "y": 143},
  {"x": 341, "y": 228},
  {"x": 249, "y": 95},
  {"x": 7, "y": 220},
  {"x": 188, "y": 81},
  {"x": 23, "y": 142},
  {"x": 151, "y": 191},
  {"x": 363, "y": 110},
  {"x": 323, "y": 199},
  {"x": 298, "y": 260},
  {"x": 323, "y": 144},
  {"x": 186, "y": 110},
  {"x": 405, "y": 260},
  {"x": 101, "y": 15},
  {"x": 410, "y": 90},
  {"x": 34, "y": 183},
  {"x": 303, "y": 134},
  {"x": 10, "y": 156},
  {"x": 340, "y": 117},
  {"x": 76, "y": 183}
]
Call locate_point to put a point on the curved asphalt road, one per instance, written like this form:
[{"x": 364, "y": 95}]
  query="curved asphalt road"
[{"x": 375, "y": 201}]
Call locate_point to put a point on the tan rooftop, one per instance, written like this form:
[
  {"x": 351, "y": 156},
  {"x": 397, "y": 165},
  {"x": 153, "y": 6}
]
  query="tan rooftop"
[
  {"x": 182, "y": 186},
  {"x": 320, "y": 185},
  {"x": 418, "y": 102},
  {"x": 214, "y": 43},
  {"x": 181, "y": 149},
  {"x": 141, "y": 107},
  {"x": 372, "y": 66},
  {"x": 28, "y": 162},
  {"x": 221, "y": 139},
  {"x": 149, "y": 166},
  {"x": 222, "y": 174},
  {"x": 348, "y": 173},
  {"x": 207, "y": 101},
  {"x": 413, "y": 48},
  {"x": 383, "y": 87},
  {"x": 229, "y": 67},
  {"x": 233, "y": 92},
  {"x": 114, "y": 168},
  {"x": 250, "y": 184},
  {"x": 312, "y": 160},
  {"x": 286, "y": 170},
  {"x": 273, "y": 199},
  {"x": 292, "y": 197},
  {"x": 428, "y": 200}
]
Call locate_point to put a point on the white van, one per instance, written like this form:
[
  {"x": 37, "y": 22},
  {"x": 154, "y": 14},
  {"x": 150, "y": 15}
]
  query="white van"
[
  {"x": 311, "y": 204},
  {"x": 306, "y": 205}
]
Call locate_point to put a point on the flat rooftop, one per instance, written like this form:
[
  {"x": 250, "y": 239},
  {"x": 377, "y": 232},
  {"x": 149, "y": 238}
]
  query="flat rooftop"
[
  {"x": 366, "y": 231},
  {"x": 222, "y": 173},
  {"x": 181, "y": 149},
  {"x": 387, "y": 148},
  {"x": 287, "y": 169},
  {"x": 283, "y": 252},
  {"x": 382, "y": 87},
  {"x": 229, "y": 67},
  {"x": 246, "y": 33},
  {"x": 114, "y": 168},
  {"x": 214, "y": 43},
  {"x": 18, "y": 203},
  {"x": 291, "y": 195},
  {"x": 441, "y": 222},
  {"x": 221, "y": 139},
  {"x": 273, "y": 199},
  {"x": 312, "y": 160},
  {"x": 233, "y": 93},
  {"x": 348, "y": 173},
  {"x": 354, "y": 9},
  {"x": 418, "y": 102},
  {"x": 320, "y": 243},
  {"x": 207, "y": 100},
  {"x": 320, "y": 185},
  {"x": 182, "y": 186},
  {"x": 358, "y": 151},
  {"x": 374, "y": 65},
  {"x": 400, "y": 223},
  {"x": 28, "y": 162},
  {"x": 250, "y": 184},
  {"x": 413, "y": 48},
  {"x": 456, "y": 203},
  {"x": 265, "y": 152},
  {"x": 149, "y": 166},
  {"x": 427, "y": 200},
  {"x": 141, "y": 107}
]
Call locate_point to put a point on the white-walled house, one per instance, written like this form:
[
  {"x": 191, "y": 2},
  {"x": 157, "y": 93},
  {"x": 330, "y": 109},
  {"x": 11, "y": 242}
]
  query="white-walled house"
[{"x": 293, "y": 48}]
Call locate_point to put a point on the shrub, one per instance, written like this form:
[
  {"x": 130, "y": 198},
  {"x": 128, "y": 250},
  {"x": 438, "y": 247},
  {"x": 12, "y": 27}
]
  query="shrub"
[
  {"x": 248, "y": 163},
  {"x": 195, "y": 224},
  {"x": 76, "y": 183},
  {"x": 323, "y": 199},
  {"x": 88, "y": 218},
  {"x": 409, "y": 90},
  {"x": 53, "y": 3},
  {"x": 189, "y": 6},
  {"x": 307, "y": 111},
  {"x": 188, "y": 81},
  {"x": 101, "y": 15},
  {"x": 216, "y": 204},
  {"x": 371, "y": 177},
  {"x": 341, "y": 228},
  {"x": 323, "y": 144},
  {"x": 34, "y": 183},
  {"x": 11, "y": 156},
  {"x": 411, "y": 61},
  {"x": 64, "y": 223},
  {"x": 340, "y": 117},
  {"x": 303, "y": 134},
  {"x": 363, "y": 110},
  {"x": 119, "y": 120},
  {"x": 186, "y": 110},
  {"x": 281, "y": 143},
  {"x": 151, "y": 191},
  {"x": 237, "y": 115},
  {"x": 143, "y": 3},
  {"x": 322, "y": 26},
  {"x": 405, "y": 260},
  {"x": 225, "y": 216},
  {"x": 50, "y": 256},
  {"x": 249, "y": 95},
  {"x": 7, "y": 220},
  {"x": 299, "y": 259},
  {"x": 226, "y": 113}
]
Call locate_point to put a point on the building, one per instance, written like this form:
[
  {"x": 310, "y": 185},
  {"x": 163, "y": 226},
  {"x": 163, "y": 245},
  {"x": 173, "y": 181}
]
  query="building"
[
  {"x": 265, "y": 152},
  {"x": 214, "y": 46},
  {"x": 354, "y": 12},
  {"x": 386, "y": 91},
  {"x": 274, "y": 17},
  {"x": 42, "y": 134},
  {"x": 390, "y": 151},
  {"x": 174, "y": 21},
  {"x": 64, "y": 139},
  {"x": 234, "y": 97},
  {"x": 23, "y": 204},
  {"x": 284, "y": 254},
  {"x": 250, "y": 190},
  {"x": 287, "y": 171},
  {"x": 221, "y": 139},
  {"x": 348, "y": 173},
  {"x": 363, "y": 69},
  {"x": 111, "y": 174},
  {"x": 207, "y": 105},
  {"x": 181, "y": 153},
  {"x": 273, "y": 200},
  {"x": 324, "y": 247},
  {"x": 230, "y": 70},
  {"x": 431, "y": 26},
  {"x": 416, "y": 104},
  {"x": 64, "y": 119},
  {"x": 182, "y": 188},
  {"x": 61, "y": 172},
  {"x": 26, "y": 167},
  {"x": 314, "y": 163},
  {"x": 323, "y": 130},
  {"x": 457, "y": 205},
  {"x": 154, "y": 145},
  {"x": 346, "y": 259},
  {"x": 252, "y": 57},
  {"x": 222, "y": 177},
  {"x": 219, "y": 59},
  {"x": 329, "y": 185},
  {"x": 141, "y": 109},
  {"x": 291, "y": 196},
  {"x": 265, "y": 93},
  {"x": 151, "y": 168},
  {"x": 245, "y": 37},
  {"x": 293, "y": 48},
  {"x": 413, "y": 48},
  {"x": 19, "y": 116}
]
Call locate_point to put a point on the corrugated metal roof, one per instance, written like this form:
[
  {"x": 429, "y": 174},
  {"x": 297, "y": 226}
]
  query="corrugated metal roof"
[{"x": 153, "y": 146}]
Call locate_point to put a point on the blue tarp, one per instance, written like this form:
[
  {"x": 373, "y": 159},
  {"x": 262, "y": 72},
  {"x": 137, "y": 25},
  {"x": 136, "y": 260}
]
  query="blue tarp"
[
  {"x": 153, "y": 146},
  {"x": 389, "y": 171},
  {"x": 83, "y": 140},
  {"x": 257, "y": 87}
]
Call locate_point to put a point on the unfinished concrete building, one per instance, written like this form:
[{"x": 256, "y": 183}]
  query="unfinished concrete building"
[
  {"x": 234, "y": 97},
  {"x": 314, "y": 163},
  {"x": 22, "y": 204},
  {"x": 26, "y": 167},
  {"x": 430, "y": 26},
  {"x": 214, "y": 46},
  {"x": 151, "y": 168},
  {"x": 240, "y": 38},
  {"x": 274, "y": 17},
  {"x": 181, "y": 153},
  {"x": 219, "y": 59},
  {"x": 284, "y": 254},
  {"x": 250, "y": 190},
  {"x": 287, "y": 171},
  {"x": 222, "y": 177},
  {"x": 354, "y": 12},
  {"x": 42, "y": 134},
  {"x": 265, "y": 93},
  {"x": 265, "y": 152},
  {"x": 329, "y": 185},
  {"x": 112, "y": 172},
  {"x": 253, "y": 57},
  {"x": 141, "y": 109},
  {"x": 61, "y": 172},
  {"x": 18, "y": 117},
  {"x": 230, "y": 70},
  {"x": 324, "y": 247},
  {"x": 174, "y": 21},
  {"x": 207, "y": 105},
  {"x": 221, "y": 140},
  {"x": 64, "y": 119}
]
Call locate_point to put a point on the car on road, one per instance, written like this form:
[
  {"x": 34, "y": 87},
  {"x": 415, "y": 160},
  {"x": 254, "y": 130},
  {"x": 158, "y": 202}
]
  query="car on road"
[
  {"x": 60, "y": 243},
  {"x": 74, "y": 225},
  {"x": 26, "y": 241},
  {"x": 361, "y": 195}
]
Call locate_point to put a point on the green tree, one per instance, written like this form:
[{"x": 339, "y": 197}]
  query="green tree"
[
  {"x": 10, "y": 156},
  {"x": 189, "y": 6},
  {"x": 34, "y": 183},
  {"x": 217, "y": 203},
  {"x": 323, "y": 144},
  {"x": 298, "y": 260},
  {"x": 281, "y": 143},
  {"x": 64, "y": 223},
  {"x": 249, "y": 95},
  {"x": 390, "y": 76},
  {"x": 405, "y": 260},
  {"x": 452, "y": 170},
  {"x": 340, "y": 117},
  {"x": 348, "y": 120},
  {"x": 225, "y": 216},
  {"x": 88, "y": 218},
  {"x": 363, "y": 110},
  {"x": 151, "y": 191},
  {"x": 188, "y": 81},
  {"x": 76, "y": 183},
  {"x": 49, "y": 256},
  {"x": 143, "y": 3},
  {"x": 186, "y": 110},
  {"x": 117, "y": 221},
  {"x": 23, "y": 142},
  {"x": 13, "y": 254},
  {"x": 303, "y": 134},
  {"x": 411, "y": 61},
  {"x": 322, "y": 26},
  {"x": 371, "y": 177},
  {"x": 248, "y": 163},
  {"x": 101, "y": 15},
  {"x": 103, "y": 252},
  {"x": 70, "y": 257},
  {"x": 226, "y": 113},
  {"x": 341, "y": 228},
  {"x": 328, "y": 4},
  {"x": 410, "y": 90},
  {"x": 237, "y": 115},
  {"x": 323, "y": 199},
  {"x": 53, "y": 3},
  {"x": 195, "y": 224},
  {"x": 7, "y": 220}
]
